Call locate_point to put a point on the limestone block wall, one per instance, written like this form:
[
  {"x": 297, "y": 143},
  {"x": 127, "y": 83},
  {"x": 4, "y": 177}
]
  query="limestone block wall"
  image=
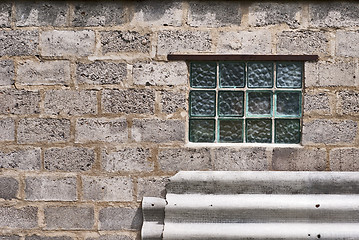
[{"x": 93, "y": 116}]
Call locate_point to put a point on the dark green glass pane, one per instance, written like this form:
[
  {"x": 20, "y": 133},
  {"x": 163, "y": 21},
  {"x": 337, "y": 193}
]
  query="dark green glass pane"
[
  {"x": 260, "y": 75},
  {"x": 230, "y": 103},
  {"x": 203, "y": 75},
  {"x": 289, "y": 74},
  {"x": 259, "y": 103},
  {"x": 202, "y": 103},
  {"x": 259, "y": 130},
  {"x": 201, "y": 130},
  {"x": 288, "y": 104},
  {"x": 287, "y": 131},
  {"x": 231, "y": 130},
  {"x": 232, "y": 74}
]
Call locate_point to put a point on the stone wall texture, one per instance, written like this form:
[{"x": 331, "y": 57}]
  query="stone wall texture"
[{"x": 93, "y": 117}]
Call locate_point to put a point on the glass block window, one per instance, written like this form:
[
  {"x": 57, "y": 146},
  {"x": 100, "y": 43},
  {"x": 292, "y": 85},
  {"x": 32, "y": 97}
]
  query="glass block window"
[{"x": 245, "y": 102}]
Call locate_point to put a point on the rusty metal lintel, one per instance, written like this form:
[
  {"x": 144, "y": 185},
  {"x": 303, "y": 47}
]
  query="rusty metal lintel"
[{"x": 234, "y": 57}]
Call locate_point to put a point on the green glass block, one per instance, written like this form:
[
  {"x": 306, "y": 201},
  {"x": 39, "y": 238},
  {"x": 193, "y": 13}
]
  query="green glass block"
[
  {"x": 202, "y": 103},
  {"x": 230, "y": 103},
  {"x": 260, "y": 74},
  {"x": 231, "y": 130},
  {"x": 289, "y": 74},
  {"x": 201, "y": 130},
  {"x": 259, "y": 130},
  {"x": 287, "y": 131},
  {"x": 203, "y": 74},
  {"x": 289, "y": 103},
  {"x": 259, "y": 103},
  {"x": 232, "y": 74}
]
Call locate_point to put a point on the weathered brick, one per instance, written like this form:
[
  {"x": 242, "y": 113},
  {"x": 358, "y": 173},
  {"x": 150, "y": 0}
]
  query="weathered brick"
[
  {"x": 19, "y": 102},
  {"x": 5, "y": 14},
  {"x": 69, "y": 218},
  {"x": 6, "y": 72},
  {"x": 243, "y": 159},
  {"x": 344, "y": 159},
  {"x": 186, "y": 159},
  {"x": 151, "y": 187},
  {"x": 63, "y": 43},
  {"x": 347, "y": 43},
  {"x": 100, "y": 188},
  {"x": 111, "y": 237},
  {"x": 125, "y": 41},
  {"x": 18, "y": 42},
  {"x": 160, "y": 73},
  {"x": 153, "y": 130},
  {"x": 45, "y": 130},
  {"x": 70, "y": 102},
  {"x": 181, "y": 41},
  {"x": 48, "y": 13},
  {"x": 245, "y": 42},
  {"x": 120, "y": 219},
  {"x": 9, "y": 237},
  {"x": 9, "y": 188},
  {"x": 46, "y": 188},
  {"x": 25, "y": 218},
  {"x": 127, "y": 159},
  {"x": 316, "y": 102},
  {"x": 128, "y": 101},
  {"x": 98, "y": 13},
  {"x": 22, "y": 159},
  {"x": 214, "y": 13},
  {"x": 71, "y": 159},
  {"x": 171, "y": 101},
  {"x": 101, "y": 129},
  {"x": 7, "y": 129},
  {"x": 299, "y": 159},
  {"x": 329, "y": 131},
  {"x": 36, "y": 237},
  {"x": 43, "y": 73},
  {"x": 100, "y": 72},
  {"x": 348, "y": 102}
]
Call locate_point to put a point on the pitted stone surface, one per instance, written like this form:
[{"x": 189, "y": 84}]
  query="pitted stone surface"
[
  {"x": 7, "y": 129},
  {"x": 151, "y": 187},
  {"x": 111, "y": 237},
  {"x": 5, "y": 14},
  {"x": 69, "y": 218},
  {"x": 6, "y": 72},
  {"x": 112, "y": 218},
  {"x": 25, "y": 217},
  {"x": 9, "y": 188},
  {"x": 19, "y": 102},
  {"x": 21, "y": 159},
  {"x": 125, "y": 41},
  {"x": 346, "y": 43},
  {"x": 172, "y": 102},
  {"x": 344, "y": 159},
  {"x": 9, "y": 237},
  {"x": 316, "y": 102},
  {"x": 36, "y": 237},
  {"x": 348, "y": 102},
  {"x": 19, "y": 43}
]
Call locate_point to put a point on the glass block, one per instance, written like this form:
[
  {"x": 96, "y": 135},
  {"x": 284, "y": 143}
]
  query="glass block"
[
  {"x": 259, "y": 103},
  {"x": 202, "y": 103},
  {"x": 289, "y": 74},
  {"x": 230, "y": 130},
  {"x": 232, "y": 74},
  {"x": 260, "y": 74},
  {"x": 259, "y": 130},
  {"x": 288, "y": 103},
  {"x": 203, "y": 74},
  {"x": 287, "y": 131},
  {"x": 230, "y": 103},
  {"x": 201, "y": 130}
]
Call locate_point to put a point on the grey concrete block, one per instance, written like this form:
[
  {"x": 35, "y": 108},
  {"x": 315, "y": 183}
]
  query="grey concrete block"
[
  {"x": 329, "y": 131},
  {"x": 128, "y": 101},
  {"x": 9, "y": 188},
  {"x": 101, "y": 129},
  {"x": 6, "y": 72},
  {"x": 9, "y": 237},
  {"x": 46, "y": 188},
  {"x": 48, "y": 13},
  {"x": 101, "y": 188},
  {"x": 348, "y": 102},
  {"x": 160, "y": 73},
  {"x": 151, "y": 187},
  {"x": 185, "y": 159},
  {"x": 87, "y": 13},
  {"x": 344, "y": 159},
  {"x": 43, "y": 73},
  {"x": 111, "y": 237},
  {"x": 7, "y": 129},
  {"x": 125, "y": 41},
  {"x": 20, "y": 159},
  {"x": 100, "y": 72},
  {"x": 19, "y": 43},
  {"x": 73, "y": 159},
  {"x": 214, "y": 13},
  {"x": 347, "y": 43},
  {"x": 112, "y": 218},
  {"x": 127, "y": 160},
  {"x": 24, "y": 218},
  {"x": 5, "y": 14},
  {"x": 69, "y": 218},
  {"x": 37, "y": 237},
  {"x": 70, "y": 102},
  {"x": 67, "y": 43},
  {"x": 19, "y": 102},
  {"x": 299, "y": 159},
  {"x": 242, "y": 159},
  {"x": 316, "y": 102},
  {"x": 44, "y": 130},
  {"x": 153, "y": 130},
  {"x": 172, "y": 102}
]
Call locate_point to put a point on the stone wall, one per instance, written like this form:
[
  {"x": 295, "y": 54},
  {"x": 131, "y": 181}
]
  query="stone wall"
[{"x": 93, "y": 116}]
